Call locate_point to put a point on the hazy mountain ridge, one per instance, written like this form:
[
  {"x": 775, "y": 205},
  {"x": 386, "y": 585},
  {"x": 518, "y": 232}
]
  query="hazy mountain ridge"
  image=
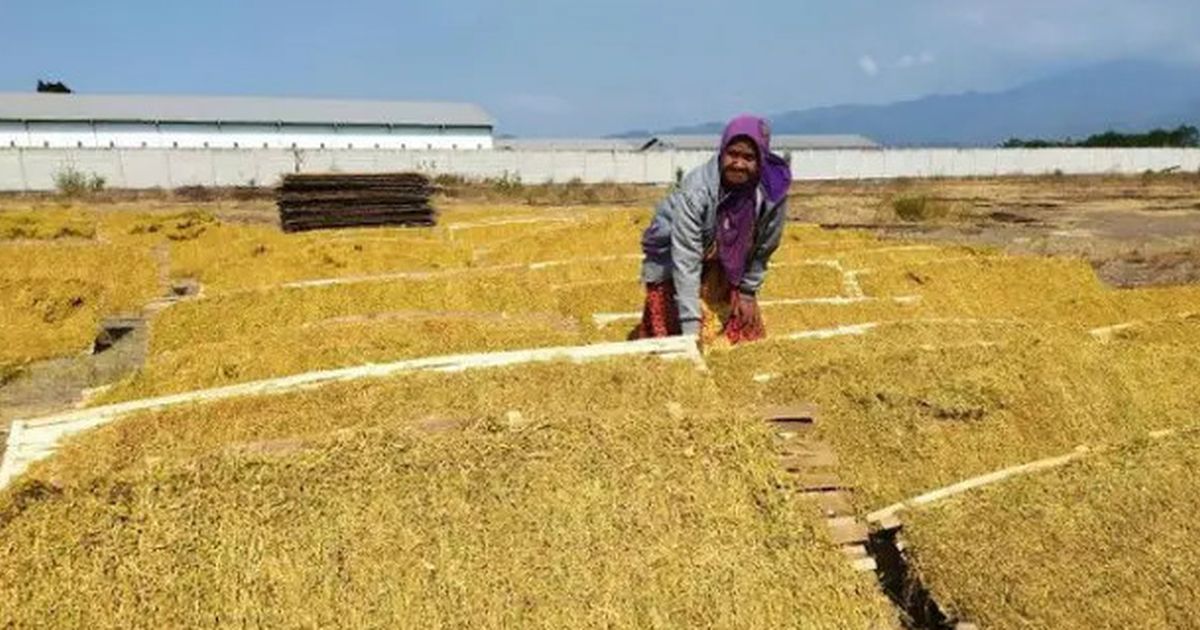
[{"x": 1123, "y": 95}]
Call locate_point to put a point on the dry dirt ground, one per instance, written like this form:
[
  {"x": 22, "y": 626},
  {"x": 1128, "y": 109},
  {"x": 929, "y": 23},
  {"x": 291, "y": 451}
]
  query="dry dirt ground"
[
  {"x": 47, "y": 387},
  {"x": 1136, "y": 231}
]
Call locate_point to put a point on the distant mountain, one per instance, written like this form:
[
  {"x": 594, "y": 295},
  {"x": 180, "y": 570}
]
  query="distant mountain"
[{"x": 1121, "y": 95}]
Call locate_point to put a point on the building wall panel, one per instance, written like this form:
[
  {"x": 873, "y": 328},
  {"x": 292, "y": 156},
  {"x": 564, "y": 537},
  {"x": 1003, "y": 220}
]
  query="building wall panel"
[
  {"x": 12, "y": 134},
  {"x": 35, "y": 169}
]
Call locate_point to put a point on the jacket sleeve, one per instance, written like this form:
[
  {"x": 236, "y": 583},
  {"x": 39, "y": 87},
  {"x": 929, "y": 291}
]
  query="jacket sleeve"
[
  {"x": 756, "y": 271},
  {"x": 687, "y": 244}
]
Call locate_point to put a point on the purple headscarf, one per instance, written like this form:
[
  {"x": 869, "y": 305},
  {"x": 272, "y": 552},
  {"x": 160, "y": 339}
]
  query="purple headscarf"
[{"x": 738, "y": 211}]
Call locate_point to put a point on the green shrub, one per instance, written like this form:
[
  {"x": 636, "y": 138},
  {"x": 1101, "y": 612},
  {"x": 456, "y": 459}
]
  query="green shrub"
[
  {"x": 449, "y": 180},
  {"x": 919, "y": 206},
  {"x": 507, "y": 183},
  {"x": 74, "y": 183},
  {"x": 911, "y": 207}
]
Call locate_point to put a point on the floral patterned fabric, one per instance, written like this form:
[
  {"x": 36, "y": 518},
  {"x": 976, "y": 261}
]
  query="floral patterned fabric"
[{"x": 718, "y": 300}]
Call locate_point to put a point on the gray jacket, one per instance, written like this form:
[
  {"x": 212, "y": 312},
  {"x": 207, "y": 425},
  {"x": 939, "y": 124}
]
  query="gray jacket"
[{"x": 684, "y": 227}]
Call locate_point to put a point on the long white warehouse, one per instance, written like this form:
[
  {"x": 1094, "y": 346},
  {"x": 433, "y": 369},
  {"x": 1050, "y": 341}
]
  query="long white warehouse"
[{"x": 221, "y": 122}]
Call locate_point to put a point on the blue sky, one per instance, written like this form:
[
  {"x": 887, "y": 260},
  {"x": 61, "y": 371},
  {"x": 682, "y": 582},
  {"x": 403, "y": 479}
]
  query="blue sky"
[{"x": 544, "y": 67}]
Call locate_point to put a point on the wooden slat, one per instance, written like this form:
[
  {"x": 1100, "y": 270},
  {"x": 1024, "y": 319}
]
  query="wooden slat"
[
  {"x": 806, "y": 463},
  {"x": 807, "y": 454},
  {"x": 812, "y": 465},
  {"x": 846, "y": 530},
  {"x": 864, "y": 565},
  {"x": 889, "y": 522},
  {"x": 854, "y": 552},
  {"x": 8, "y": 465},
  {"x": 831, "y": 503},
  {"x": 788, "y": 431},
  {"x": 819, "y": 482},
  {"x": 308, "y": 202},
  {"x": 804, "y": 412}
]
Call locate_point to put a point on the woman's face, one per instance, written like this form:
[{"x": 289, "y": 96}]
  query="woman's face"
[{"x": 739, "y": 163}]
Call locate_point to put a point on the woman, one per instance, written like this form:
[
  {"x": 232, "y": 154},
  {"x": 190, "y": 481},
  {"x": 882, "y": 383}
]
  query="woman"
[{"x": 707, "y": 249}]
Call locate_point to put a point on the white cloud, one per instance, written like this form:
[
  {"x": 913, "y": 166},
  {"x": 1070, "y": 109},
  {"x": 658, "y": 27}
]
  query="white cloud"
[{"x": 868, "y": 65}]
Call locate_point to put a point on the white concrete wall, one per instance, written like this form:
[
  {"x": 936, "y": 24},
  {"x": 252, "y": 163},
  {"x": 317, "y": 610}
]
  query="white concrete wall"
[
  {"x": 891, "y": 163},
  {"x": 13, "y": 134},
  {"x": 126, "y": 135},
  {"x": 51, "y": 135},
  {"x": 35, "y": 168}
]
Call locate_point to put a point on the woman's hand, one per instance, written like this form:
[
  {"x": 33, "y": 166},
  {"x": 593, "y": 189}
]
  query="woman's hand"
[{"x": 745, "y": 311}]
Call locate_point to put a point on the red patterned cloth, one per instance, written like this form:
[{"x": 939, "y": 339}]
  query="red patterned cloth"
[{"x": 660, "y": 316}]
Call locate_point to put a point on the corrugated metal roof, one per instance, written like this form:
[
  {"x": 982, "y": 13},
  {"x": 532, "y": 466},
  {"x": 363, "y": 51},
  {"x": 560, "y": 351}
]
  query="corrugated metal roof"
[
  {"x": 235, "y": 109},
  {"x": 570, "y": 144},
  {"x": 780, "y": 142},
  {"x": 784, "y": 142}
]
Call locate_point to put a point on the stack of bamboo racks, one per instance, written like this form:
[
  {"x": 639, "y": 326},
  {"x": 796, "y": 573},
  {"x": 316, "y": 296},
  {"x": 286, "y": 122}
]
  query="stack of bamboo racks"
[{"x": 321, "y": 201}]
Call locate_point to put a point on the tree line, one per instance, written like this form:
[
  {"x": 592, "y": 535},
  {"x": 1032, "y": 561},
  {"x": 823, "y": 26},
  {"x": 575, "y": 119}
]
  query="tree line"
[{"x": 1182, "y": 137}]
